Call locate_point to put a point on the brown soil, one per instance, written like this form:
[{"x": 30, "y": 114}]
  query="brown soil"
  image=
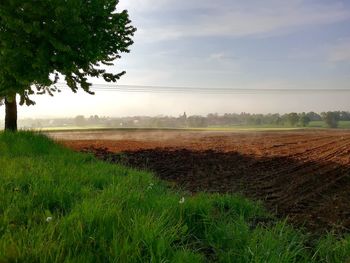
[{"x": 304, "y": 175}]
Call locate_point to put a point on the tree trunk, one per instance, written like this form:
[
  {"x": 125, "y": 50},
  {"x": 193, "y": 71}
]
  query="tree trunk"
[{"x": 10, "y": 113}]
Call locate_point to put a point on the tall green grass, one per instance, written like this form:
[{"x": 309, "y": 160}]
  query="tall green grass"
[{"x": 61, "y": 206}]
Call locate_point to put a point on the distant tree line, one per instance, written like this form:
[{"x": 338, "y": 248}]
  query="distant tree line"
[
  {"x": 328, "y": 119},
  {"x": 293, "y": 119}
]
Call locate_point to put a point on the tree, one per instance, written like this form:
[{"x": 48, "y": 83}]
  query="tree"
[
  {"x": 293, "y": 118},
  {"x": 42, "y": 42},
  {"x": 197, "y": 121},
  {"x": 80, "y": 120},
  {"x": 304, "y": 119},
  {"x": 276, "y": 119},
  {"x": 344, "y": 116},
  {"x": 313, "y": 116},
  {"x": 331, "y": 119}
]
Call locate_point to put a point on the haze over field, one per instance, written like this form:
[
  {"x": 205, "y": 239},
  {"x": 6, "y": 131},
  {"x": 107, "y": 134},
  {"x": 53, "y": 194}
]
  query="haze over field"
[
  {"x": 268, "y": 44},
  {"x": 116, "y": 104}
]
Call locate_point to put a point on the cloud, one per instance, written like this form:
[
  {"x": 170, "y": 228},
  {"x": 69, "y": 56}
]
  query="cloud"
[
  {"x": 171, "y": 20},
  {"x": 195, "y": 43},
  {"x": 146, "y": 6},
  {"x": 217, "y": 56}
]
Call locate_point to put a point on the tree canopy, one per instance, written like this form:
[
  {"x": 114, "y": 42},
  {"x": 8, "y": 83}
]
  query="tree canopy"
[
  {"x": 331, "y": 119},
  {"x": 42, "y": 41}
]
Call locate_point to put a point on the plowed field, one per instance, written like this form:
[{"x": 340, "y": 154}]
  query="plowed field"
[{"x": 304, "y": 175}]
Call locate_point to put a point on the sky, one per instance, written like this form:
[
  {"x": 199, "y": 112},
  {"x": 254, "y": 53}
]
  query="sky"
[{"x": 238, "y": 44}]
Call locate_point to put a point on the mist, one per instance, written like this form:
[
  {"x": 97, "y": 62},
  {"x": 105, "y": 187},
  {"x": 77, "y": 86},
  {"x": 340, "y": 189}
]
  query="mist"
[{"x": 121, "y": 104}]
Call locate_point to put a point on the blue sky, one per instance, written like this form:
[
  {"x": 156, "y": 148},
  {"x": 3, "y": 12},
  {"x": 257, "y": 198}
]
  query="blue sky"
[{"x": 240, "y": 44}]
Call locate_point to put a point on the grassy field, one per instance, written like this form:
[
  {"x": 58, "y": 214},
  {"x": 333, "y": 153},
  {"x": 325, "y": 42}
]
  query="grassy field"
[
  {"x": 270, "y": 127},
  {"x": 230, "y": 128},
  {"x": 321, "y": 124},
  {"x": 61, "y": 206},
  {"x": 214, "y": 129},
  {"x": 249, "y": 128}
]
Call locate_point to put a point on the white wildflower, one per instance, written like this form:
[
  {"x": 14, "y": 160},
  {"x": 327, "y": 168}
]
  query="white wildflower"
[
  {"x": 182, "y": 200},
  {"x": 48, "y": 219}
]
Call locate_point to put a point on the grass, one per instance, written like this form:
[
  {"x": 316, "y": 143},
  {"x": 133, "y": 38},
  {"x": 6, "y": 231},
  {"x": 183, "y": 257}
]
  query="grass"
[
  {"x": 214, "y": 128},
  {"x": 271, "y": 127},
  {"x": 106, "y": 213},
  {"x": 244, "y": 128},
  {"x": 232, "y": 128},
  {"x": 209, "y": 129},
  {"x": 237, "y": 128},
  {"x": 321, "y": 124}
]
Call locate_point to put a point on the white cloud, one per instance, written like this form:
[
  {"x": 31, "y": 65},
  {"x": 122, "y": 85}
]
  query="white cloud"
[
  {"x": 217, "y": 56},
  {"x": 227, "y": 18},
  {"x": 144, "y": 6}
]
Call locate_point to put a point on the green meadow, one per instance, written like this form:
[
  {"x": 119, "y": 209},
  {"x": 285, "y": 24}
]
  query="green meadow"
[
  {"x": 60, "y": 206},
  {"x": 321, "y": 124}
]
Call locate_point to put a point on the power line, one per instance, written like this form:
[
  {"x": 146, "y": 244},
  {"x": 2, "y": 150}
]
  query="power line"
[
  {"x": 247, "y": 59},
  {"x": 213, "y": 90}
]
